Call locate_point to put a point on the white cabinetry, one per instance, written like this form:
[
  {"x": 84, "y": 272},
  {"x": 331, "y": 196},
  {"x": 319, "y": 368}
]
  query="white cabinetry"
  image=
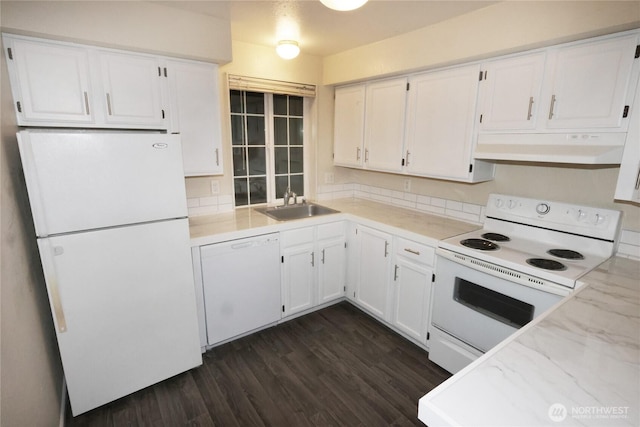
[
  {"x": 384, "y": 124},
  {"x": 587, "y": 84},
  {"x": 412, "y": 282},
  {"x": 510, "y": 92},
  {"x": 50, "y": 82},
  {"x": 374, "y": 263},
  {"x": 583, "y": 86},
  {"x": 628, "y": 187},
  {"x": 194, "y": 113},
  {"x": 440, "y": 126},
  {"x": 313, "y": 266},
  {"x": 348, "y": 135},
  {"x": 131, "y": 86}
]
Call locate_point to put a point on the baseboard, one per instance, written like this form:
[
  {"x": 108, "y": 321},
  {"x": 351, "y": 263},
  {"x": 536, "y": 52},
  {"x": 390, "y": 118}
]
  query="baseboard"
[{"x": 63, "y": 404}]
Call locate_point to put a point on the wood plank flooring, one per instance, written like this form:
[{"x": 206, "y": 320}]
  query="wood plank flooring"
[{"x": 334, "y": 367}]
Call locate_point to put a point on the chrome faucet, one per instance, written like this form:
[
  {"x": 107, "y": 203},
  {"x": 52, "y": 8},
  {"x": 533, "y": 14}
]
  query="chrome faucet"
[{"x": 288, "y": 195}]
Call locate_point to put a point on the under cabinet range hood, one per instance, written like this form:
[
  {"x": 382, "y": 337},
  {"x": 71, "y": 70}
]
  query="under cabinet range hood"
[{"x": 578, "y": 148}]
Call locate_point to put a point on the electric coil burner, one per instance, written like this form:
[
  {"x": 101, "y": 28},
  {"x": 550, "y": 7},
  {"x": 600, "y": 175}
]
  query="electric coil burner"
[{"x": 527, "y": 257}]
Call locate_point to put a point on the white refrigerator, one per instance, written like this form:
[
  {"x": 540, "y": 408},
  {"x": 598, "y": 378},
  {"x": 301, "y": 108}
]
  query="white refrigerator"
[{"x": 110, "y": 216}]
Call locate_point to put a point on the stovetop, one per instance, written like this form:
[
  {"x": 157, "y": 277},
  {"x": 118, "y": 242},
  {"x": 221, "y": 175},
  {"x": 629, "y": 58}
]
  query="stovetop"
[{"x": 518, "y": 231}]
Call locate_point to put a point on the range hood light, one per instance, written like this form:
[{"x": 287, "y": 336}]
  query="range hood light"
[{"x": 343, "y": 5}]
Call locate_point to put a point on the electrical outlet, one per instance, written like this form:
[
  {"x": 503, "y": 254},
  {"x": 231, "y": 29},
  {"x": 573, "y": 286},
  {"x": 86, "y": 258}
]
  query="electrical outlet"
[
  {"x": 328, "y": 178},
  {"x": 407, "y": 185},
  {"x": 215, "y": 187}
]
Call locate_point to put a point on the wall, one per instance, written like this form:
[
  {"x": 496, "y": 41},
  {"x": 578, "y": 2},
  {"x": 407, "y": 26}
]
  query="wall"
[
  {"x": 30, "y": 370},
  {"x": 501, "y": 28},
  {"x": 133, "y": 25}
]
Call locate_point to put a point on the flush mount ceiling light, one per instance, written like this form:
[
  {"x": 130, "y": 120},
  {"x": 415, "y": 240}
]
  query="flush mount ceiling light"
[
  {"x": 343, "y": 5},
  {"x": 288, "y": 49}
]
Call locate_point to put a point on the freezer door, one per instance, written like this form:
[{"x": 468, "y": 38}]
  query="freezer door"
[
  {"x": 79, "y": 180},
  {"x": 123, "y": 304}
]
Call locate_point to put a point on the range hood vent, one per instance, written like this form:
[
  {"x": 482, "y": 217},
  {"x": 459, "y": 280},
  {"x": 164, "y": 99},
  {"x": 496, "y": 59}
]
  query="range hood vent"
[{"x": 579, "y": 148}]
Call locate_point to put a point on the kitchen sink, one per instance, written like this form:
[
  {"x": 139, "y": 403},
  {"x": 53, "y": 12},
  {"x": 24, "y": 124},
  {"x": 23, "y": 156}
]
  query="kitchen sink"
[{"x": 298, "y": 211}]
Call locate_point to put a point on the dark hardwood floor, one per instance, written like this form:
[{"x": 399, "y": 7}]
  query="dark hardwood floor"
[{"x": 334, "y": 367}]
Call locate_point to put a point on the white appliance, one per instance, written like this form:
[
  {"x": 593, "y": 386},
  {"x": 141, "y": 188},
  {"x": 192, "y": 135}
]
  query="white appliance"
[
  {"x": 110, "y": 217},
  {"x": 527, "y": 257},
  {"x": 241, "y": 286}
]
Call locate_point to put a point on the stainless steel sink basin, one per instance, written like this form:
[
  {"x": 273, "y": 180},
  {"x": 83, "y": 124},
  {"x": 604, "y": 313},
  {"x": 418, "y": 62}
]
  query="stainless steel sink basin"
[{"x": 299, "y": 211}]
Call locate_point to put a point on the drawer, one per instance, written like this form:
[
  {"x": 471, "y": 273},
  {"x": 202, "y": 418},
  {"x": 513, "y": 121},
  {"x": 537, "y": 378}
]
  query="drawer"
[
  {"x": 332, "y": 229},
  {"x": 415, "y": 251},
  {"x": 295, "y": 237}
]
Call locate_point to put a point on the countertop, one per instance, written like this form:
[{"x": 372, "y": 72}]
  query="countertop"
[
  {"x": 422, "y": 227},
  {"x": 578, "y": 364}
]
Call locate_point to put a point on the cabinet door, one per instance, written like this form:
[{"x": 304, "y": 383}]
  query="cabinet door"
[
  {"x": 588, "y": 84},
  {"x": 384, "y": 124},
  {"x": 412, "y": 297},
  {"x": 195, "y": 114},
  {"x": 440, "y": 125},
  {"x": 298, "y": 270},
  {"x": 348, "y": 126},
  {"x": 510, "y": 92},
  {"x": 331, "y": 268},
  {"x": 131, "y": 85},
  {"x": 628, "y": 186},
  {"x": 373, "y": 277},
  {"x": 50, "y": 82}
]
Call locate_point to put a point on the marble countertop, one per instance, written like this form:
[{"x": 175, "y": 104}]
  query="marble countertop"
[
  {"x": 422, "y": 227},
  {"x": 579, "y": 364}
]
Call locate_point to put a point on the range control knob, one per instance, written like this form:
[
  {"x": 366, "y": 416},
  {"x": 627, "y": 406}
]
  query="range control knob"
[
  {"x": 512, "y": 204},
  {"x": 499, "y": 203},
  {"x": 543, "y": 208}
]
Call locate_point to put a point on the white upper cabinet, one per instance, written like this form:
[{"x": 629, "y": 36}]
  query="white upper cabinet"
[
  {"x": 384, "y": 124},
  {"x": 131, "y": 87},
  {"x": 440, "y": 125},
  {"x": 194, "y": 113},
  {"x": 348, "y": 125},
  {"x": 628, "y": 187},
  {"x": 51, "y": 82},
  {"x": 510, "y": 92},
  {"x": 588, "y": 83}
]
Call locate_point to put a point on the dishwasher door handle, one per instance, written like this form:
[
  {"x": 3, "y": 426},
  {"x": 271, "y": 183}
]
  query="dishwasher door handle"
[{"x": 243, "y": 245}]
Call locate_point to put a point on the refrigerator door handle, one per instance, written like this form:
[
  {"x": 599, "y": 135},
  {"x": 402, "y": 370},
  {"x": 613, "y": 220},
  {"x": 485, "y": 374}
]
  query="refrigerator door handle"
[{"x": 47, "y": 252}]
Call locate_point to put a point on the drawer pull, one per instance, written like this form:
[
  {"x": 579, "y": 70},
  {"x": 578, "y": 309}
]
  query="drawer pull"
[{"x": 412, "y": 251}]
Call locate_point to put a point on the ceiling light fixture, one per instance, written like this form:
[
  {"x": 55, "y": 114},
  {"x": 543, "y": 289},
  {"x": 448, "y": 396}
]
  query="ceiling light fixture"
[
  {"x": 288, "y": 49},
  {"x": 343, "y": 5}
]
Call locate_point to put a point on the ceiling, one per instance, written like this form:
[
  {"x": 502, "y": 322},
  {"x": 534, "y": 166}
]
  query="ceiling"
[{"x": 322, "y": 31}]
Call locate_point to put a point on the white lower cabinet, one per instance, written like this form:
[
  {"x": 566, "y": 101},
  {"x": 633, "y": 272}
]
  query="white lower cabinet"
[
  {"x": 312, "y": 266},
  {"x": 374, "y": 258},
  {"x": 412, "y": 284}
]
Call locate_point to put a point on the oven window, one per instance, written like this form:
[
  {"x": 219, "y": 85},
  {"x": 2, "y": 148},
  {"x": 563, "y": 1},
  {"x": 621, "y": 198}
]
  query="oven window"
[{"x": 500, "y": 307}]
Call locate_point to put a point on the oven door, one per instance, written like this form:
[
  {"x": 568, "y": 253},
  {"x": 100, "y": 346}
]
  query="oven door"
[{"x": 480, "y": 309}]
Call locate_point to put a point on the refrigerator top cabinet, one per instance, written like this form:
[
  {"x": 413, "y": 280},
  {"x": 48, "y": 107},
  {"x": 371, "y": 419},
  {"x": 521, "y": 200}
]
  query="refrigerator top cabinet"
[{"x": 82, "y": 180}]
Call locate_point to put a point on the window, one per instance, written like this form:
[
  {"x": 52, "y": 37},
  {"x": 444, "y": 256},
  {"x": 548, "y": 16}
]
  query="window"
[{"x": 268, "y": 146}]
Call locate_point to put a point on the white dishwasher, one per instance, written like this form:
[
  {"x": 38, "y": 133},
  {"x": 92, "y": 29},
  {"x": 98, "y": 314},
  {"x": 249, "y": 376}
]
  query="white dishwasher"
[{"x": 241, "y": 280}]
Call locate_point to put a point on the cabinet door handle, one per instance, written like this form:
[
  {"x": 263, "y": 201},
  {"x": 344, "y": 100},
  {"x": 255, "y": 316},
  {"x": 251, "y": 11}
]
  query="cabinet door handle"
[
  {"x": 408, "y": 154},
  {"x": 366, "y": 154},
  {"x": 386, "y": 248},
  {"x": 412, "y": 251},
  {"x": 530, "y": 108},
  {"x": 638, "y": 180},
  {"x": 395, "y": 273},
  {"x": 86, "y": 102},
  {"x": 217, "y": 157},
  {"x": 552, "y": 106},
  {"x": 358, "y": 152},
  {"x": 313, "y": 259},
  {"x": 323, "y": 256},
  {"x": 109, "y": 103}
]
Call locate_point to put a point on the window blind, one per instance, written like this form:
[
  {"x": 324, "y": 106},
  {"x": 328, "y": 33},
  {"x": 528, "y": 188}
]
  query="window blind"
[{"x": 254, "y": 84}]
